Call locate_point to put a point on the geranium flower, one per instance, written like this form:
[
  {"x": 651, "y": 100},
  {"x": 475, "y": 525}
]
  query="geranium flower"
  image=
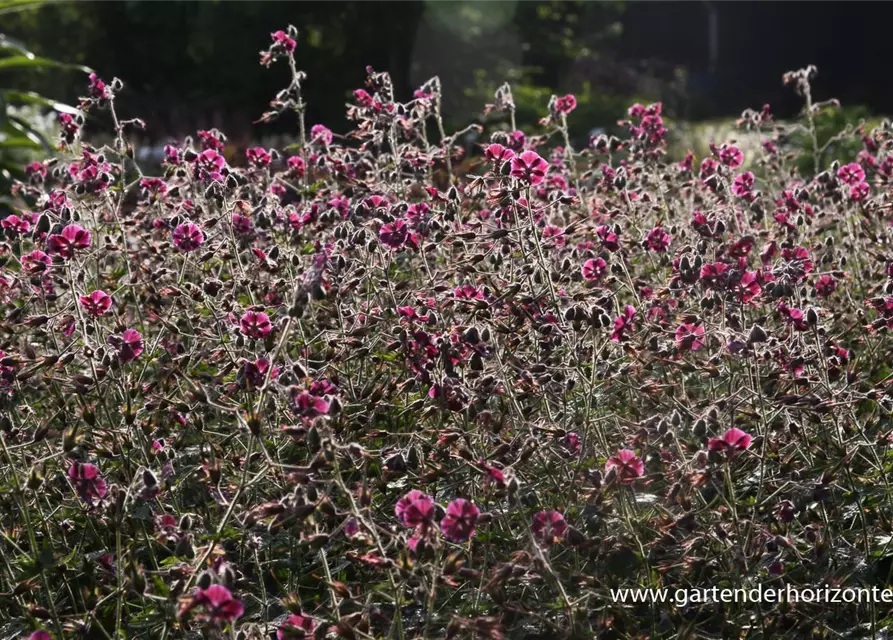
[
  {"x": 548, "y": 527},
  {"x": 97, "y": 303},
  {"x": 414, "y": 509},
  {"x": 320, "y": 133},
  {"x": 129, "y": 345},
  {"x": 627, "y": 465},
  {"x": 188, "y": 237},
  {"x": 529, "y": 167},
  {"x": 255, "y": 325},
  {"x": 87, "y": 483},
  {"x": 216, "y": 603},
  {"x": 565, "y": 104},
  {"x": 394, "y": 234},
  {"x": 732, "y": 440},
  {"x": 657, "y": 240},
  {"x": 72, "y": 238},
  {"x": 851, "y": 174},
  {"x": 460, "y": 520},
  {"x": 743, "y": 183},
  {"x": 689, "y": 336},
  {"x": 594, "y": 269},
  {"x": 36, "y": 262},
  {"x": 498, "y": 154},
  {"x": 296, "y": 627}
]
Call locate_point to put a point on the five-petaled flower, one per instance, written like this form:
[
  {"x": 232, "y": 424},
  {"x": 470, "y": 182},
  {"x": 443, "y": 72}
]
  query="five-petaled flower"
[
  {"x": 72, "y": 238},
  {"x": 86, "y": 481},
  {"x": 296, "y": 627},
  {"x": 594, "y": 269},
  {"x": 414, "y": 509},
  {"x": 255, "y": 325},
  {"x": 96, "y": 304},
  {"x": 529, "y": 167},
  {"x": 129, "y": 345},
  {"x": 548, "y": 527},
  {"x": 689, "y": 336},
  {"x": 188, "y": 237},
  {"x": 732, "y": 441},
  {"x": 626, "y": 464},
  {"x": 215, "y": 604},
  {"x": 460, "y": 520}
]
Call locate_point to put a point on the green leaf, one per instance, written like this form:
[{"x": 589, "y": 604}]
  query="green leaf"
[
  {"x": 36, "y": 62},
  {"x": 19, "y": 143},
  {"x": 14, "y": 96}
]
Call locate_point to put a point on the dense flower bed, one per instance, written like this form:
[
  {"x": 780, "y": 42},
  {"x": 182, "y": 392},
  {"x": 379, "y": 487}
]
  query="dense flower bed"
[{"x": 345, "y": 391}]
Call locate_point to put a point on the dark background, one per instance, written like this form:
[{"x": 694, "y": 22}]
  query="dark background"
[{"x": 191, "y": 65}]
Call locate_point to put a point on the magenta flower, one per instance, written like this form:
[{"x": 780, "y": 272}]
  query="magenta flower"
[
  {"x": 548, "y": 527},
  {"x": 565, "y": 104},
  {"x": 851, "y": 174},
  {"x": 321, "y": 133},
  {"x": 608, "y": 238},
  {"x": 732, "y": 440},
  {"x": 97, "y": 303},
  {"x": 414, "y": 509},
  {"x": 210, "y": 165},
  {"x": 731, "y": 156},
  {"x": 627, "y": 465},
  {"x": 36, "y": 262},
  {"x": 296, "y": 166},
  {"x": 295, "y": 627},
  {"x": 129, "y": 345},
  {"x": 188, "y": 237},
  {"x": 657, "y": 240},
  {"x": 15, "y": 225},
  {"x": 218, "y": 603},
  {"x": 394, "y": 234},
  {"x": 529, "y": 167},
  {"x": 623, "y": 322},
  {"x": 66, "y": 243},
  {"x": 860, "y": 192},
  {"x": 309, "y": 405},
  {"x": 258, "y": 156},
  {"x": 459, "y": 522},
  {"x": 689, "y": 337},
  {"x": 743, "y": 183},
  {"x": 498, "y": 154},
  {"x": 40, "y": 635},
  {"x": 256, "y": 325},
  {"x": 281, "y": 40},
  {"x": 594, "y": 269},
  {"x": 86, "y": 482},
  {"x": 825, "y": 285},
  {"x": 254, "y": 374}
]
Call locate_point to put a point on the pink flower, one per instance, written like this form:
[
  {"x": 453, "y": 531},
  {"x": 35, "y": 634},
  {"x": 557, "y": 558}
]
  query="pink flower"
[
  {"x": 72, "y": 238},
  {"x": 529, "y": 167},
  {"x": 309, "y": 405},
  {"x": 97, "y": 88},
  {"x": 256, "y": 325},
  {"x": 36, "y": 262},
  {"x": 97, "y": 303},
  {"x": 731, "y": 156},
  {"x": 415, "y": 508},
  {"x": 732, "y": 440},
  {"x": 40, "y": 635},
  {"x": 608, "y": 238},
  {"x": 281, "y": 39},
  {"x": 321, "y": 133},
  {"x": 657, "y": 240},
  {"x": 210, "y": 165},
  {"x": 689, "y": 337},
  {"x": 623, "y": 322},
  {"x": 459, "y": 522},
  {"x": 258, "y": 156},
  {"x": 851, "y": 174},
  {"x": 860, "y": 192},
  {"x": 825, "y": 286},
  {"x": 627, "y": 464},
  {"x": 129, "y": 345},
  {"x": 743, "y": 184},
  {"x": 254, "y": 374},
  {"x": 497, "y": 154},
  {"x": 594, "y": 269},
  {"x": 394, "y": 234},
  {"x": 15, "y": 226},
  {"x": 295, "y": 627},
  {"x": 566, "y": 104},
  {"x": 296, "y": 166},
  {"x": 188, "y": 237},
  {"x": 87, "y": 483},
  {"x": 548, "y": 526},
  {"x": 218, "y": 603}
]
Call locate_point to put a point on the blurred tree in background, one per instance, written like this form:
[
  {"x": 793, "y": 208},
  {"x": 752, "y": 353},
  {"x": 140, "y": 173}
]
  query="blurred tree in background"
[{"x": 191, "y": 65}]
